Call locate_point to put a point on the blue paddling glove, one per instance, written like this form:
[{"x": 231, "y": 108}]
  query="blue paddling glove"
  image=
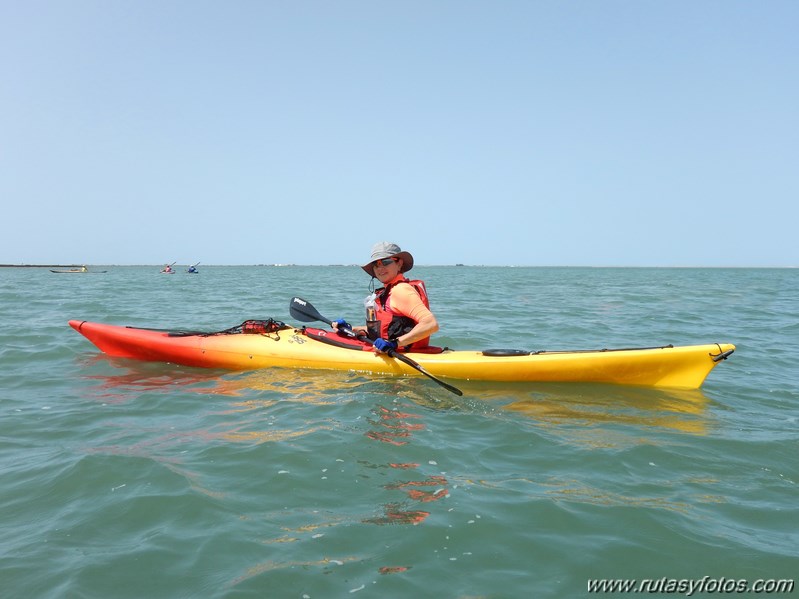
[
  {"x": 385, "y": 346},
  {"x": 342, "y": 324}
]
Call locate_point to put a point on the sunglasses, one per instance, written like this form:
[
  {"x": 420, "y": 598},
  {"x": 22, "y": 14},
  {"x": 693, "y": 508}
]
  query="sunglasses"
[{"x": 385, "y": 261}]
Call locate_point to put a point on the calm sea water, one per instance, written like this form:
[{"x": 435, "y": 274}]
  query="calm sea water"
[{"x": 129, "y": 479}]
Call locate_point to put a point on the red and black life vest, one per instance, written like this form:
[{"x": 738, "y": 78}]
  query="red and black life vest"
[{"x": 389, "y": 324}]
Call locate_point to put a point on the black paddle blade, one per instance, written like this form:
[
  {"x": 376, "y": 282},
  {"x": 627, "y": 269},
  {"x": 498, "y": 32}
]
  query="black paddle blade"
[{"x": 304, "y": 311}]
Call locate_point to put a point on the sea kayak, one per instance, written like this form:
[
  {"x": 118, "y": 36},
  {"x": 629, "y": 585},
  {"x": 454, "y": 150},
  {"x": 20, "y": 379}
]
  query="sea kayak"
[{"x": 271, "y": 344}]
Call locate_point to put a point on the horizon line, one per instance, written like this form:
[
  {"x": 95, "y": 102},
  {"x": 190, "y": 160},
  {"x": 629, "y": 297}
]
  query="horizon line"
[{"x": 285, "y": 265}]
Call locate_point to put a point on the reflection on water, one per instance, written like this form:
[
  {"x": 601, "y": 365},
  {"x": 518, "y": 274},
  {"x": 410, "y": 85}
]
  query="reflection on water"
[
  {"x": 590, "y": 406},
  {"x": 326, "y": 565},
  {"x": 309, "y": 386},
  {"x": 599, "y": 417},
  {"x": 597, "y": 409},
  {"x": 571, "y": 491},
  {"x": 576, "y": 491},
  {"x": 391, "y": 426},
  {"x": 318, "y": 387},
  {"x": 396, "y": 427},
  {"x": 411, "y": 488},
  {"x": 593, "y": 416},
  {"x": 128, "y": 378},
  {"x": 395, "y": 423}
]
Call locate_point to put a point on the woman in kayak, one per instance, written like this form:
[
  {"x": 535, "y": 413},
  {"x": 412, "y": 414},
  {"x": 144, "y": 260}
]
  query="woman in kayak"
[{"x": 398, "y": 314}]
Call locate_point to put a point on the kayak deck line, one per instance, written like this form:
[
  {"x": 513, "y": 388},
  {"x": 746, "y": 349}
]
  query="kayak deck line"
[
  {"x": 276, "y": 326},
  {"x": 722, "y": 355},
  {"x": 272, "y": 344}
]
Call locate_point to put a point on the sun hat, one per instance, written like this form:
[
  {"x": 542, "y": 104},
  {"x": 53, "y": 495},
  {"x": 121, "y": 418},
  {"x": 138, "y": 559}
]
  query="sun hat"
[{"x": 385, "y": 249}]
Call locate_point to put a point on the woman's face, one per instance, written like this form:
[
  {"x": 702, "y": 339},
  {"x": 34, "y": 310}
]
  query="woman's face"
[{"x": 387, "y": 272}]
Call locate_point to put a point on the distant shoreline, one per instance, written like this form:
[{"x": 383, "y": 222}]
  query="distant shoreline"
[{"x": 40, "y": 265}]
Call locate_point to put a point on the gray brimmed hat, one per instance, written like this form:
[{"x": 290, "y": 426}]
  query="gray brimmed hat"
[{"x": 384, "y": 249}]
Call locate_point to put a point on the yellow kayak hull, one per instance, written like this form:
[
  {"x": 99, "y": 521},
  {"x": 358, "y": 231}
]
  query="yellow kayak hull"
[{"x": 683, "y": 367}]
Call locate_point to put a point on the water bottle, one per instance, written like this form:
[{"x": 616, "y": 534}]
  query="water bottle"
[{"x": 372, "y": 325}]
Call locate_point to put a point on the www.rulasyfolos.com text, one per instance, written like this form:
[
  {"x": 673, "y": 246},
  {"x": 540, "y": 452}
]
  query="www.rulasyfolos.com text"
[{"x": 689, "y": 587}]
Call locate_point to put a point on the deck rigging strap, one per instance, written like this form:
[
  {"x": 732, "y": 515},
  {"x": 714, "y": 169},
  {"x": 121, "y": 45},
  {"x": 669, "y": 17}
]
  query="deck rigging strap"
[
  {"x": 248, "y": 327},
  {"x": 594, "y": 351},
  {"x": 522, "y": 352}
]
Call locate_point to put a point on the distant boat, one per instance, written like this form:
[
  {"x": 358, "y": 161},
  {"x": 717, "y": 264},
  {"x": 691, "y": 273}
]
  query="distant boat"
[{"x": 78, "y": 271}]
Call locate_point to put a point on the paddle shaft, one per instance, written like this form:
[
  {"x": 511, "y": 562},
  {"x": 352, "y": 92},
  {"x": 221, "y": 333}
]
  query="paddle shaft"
[{"x": 304, "y": 311}]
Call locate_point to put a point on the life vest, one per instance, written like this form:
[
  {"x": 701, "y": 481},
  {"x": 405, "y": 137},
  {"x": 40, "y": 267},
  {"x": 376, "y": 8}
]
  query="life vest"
[{"x": 389, "y": 324}]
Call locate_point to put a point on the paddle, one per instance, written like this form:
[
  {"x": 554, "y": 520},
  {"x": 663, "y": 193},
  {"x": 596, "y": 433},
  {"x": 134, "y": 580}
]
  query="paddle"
[{"x": 304, "y": 311}]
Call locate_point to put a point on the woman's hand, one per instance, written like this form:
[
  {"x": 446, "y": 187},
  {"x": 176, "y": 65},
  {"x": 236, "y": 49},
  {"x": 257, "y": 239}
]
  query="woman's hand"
[
  {"x": 385, "y": 346},
  {"x": 340, "y": 324}
]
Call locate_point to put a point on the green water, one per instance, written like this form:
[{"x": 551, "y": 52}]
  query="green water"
[{"x": 129, "y": 479}]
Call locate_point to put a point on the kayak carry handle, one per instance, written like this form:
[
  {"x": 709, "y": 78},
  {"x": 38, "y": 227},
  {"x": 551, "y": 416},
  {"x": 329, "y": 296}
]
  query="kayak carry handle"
[{"x": 723, "y": 355}]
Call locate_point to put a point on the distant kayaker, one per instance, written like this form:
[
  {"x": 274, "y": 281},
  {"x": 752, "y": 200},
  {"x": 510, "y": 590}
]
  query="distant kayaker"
[
  {"x": 398, "y": 314},
  {"x": 167, "y": 268}
]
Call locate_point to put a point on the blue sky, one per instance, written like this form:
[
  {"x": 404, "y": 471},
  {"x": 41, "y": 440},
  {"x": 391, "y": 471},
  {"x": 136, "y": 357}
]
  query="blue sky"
[{"x": 601, "y": 133}]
